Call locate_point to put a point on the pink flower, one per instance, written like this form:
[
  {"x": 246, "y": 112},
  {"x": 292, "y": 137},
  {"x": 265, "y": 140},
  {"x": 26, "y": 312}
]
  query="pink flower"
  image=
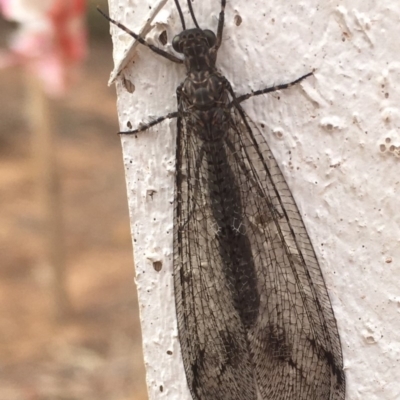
[{"x": 51, "y": 39}]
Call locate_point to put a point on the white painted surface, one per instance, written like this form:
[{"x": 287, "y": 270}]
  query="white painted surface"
[
  {"x": 122, "y": 62},
  {"x": 336, "y": 138}
]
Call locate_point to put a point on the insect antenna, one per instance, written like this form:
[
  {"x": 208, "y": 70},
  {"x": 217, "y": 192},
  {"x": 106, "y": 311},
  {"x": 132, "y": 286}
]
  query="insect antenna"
[
  {"x": 189, "y": 2},
  {"x": 178, "y": 6}
]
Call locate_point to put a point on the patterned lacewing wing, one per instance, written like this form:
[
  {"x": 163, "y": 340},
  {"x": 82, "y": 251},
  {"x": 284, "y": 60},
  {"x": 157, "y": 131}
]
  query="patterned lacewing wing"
[{"x": 254, "y": 317}]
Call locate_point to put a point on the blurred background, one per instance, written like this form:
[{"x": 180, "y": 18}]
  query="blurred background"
[{"x": 69, "y": 325}]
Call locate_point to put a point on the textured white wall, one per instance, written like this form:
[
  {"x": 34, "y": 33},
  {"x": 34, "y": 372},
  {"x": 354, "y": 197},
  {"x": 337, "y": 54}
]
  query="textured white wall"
[{"x": 336, "y": 138}]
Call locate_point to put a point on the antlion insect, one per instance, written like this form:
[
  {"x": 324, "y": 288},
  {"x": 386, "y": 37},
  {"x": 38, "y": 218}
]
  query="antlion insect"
[{"x": 254, "y": 316}]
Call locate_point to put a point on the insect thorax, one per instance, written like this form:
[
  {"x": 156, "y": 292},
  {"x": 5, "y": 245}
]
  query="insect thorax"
[{"x": 205, "y": 99}]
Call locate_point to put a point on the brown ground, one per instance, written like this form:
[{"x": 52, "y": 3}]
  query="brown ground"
[{"x": 95, "y": 352}]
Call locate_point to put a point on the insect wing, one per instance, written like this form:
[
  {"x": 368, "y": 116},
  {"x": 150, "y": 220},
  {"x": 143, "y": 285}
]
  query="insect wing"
[
  {"x": 213, "y": 339},
  {"x": 254, "y": 317},
  {"x": 294, "y": 343}
]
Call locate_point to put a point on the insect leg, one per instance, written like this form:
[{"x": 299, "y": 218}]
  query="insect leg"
[
  {"x": 153, "y": 48},
  {"x": 150, "y": 124},
  {"x": 244, "y": 97},
  {"x": 221, "y": 21},
  {"x": 156, "y": 121}
]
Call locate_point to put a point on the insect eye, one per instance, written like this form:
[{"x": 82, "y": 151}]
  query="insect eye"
[
  {"x": 210, "y": 36},
  {"x": 176, "y": 44}
]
